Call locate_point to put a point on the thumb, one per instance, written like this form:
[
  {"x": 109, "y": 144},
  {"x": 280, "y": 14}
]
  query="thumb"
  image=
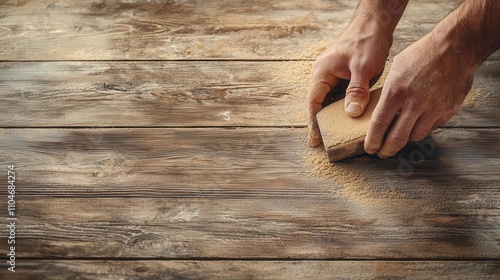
[{"x": 357, "y": 94}]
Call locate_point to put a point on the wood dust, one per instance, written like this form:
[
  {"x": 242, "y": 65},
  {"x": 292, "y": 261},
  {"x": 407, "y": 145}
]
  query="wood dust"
[
  {"x": 299, "y": 71},
  {"x": 472, "y": 97},
  {"x": 296, "y": 75},
  {"x": 345, "y": 177},
  {"x": 348, "y": 178}
]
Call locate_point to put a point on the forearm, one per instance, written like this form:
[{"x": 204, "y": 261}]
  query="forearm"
[
  {"x": 472, "y": 30},
  {"x": 380, "y": 16}
]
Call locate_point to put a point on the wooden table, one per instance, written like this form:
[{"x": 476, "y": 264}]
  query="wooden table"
[{"x": 166, "y": 140}]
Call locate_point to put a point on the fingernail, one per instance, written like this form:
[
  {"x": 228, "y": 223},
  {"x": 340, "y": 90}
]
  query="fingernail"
[
  {"x": 371, "y": 151},
  {"x": 353, "y": 108}
]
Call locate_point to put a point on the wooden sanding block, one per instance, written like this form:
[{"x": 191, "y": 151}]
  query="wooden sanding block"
[{"x": 343, "y": 136}]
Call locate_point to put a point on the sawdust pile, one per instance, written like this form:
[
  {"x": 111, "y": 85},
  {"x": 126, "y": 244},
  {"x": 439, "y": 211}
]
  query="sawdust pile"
[
  {"x": 349, "y": 177},
  {"x": 345, "y": 177},
  {"x": 472, "y": 97},
  {"x": 297, "y": 74}
]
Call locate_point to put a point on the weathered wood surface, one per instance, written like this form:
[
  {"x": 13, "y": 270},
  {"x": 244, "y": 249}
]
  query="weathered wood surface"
[
  {"x": 111, "y": 30},
  {"x": 249, "y": 193},
  {"x": 267, "y": 270},
  {"x": 181, "y": 93},
  {"x": 231, "y": 163},
  {"x": 154, "y": 139},
  {"x": 322, "y": 227}
]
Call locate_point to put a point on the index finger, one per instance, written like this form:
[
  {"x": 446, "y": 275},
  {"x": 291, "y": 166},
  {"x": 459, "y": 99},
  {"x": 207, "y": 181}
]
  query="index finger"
[
  {"x": 319, "y": 87},
  {"x": 382, "y": 118}
]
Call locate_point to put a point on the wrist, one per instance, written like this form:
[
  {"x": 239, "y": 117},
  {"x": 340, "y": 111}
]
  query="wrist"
[
  {"x": 437, "y": 48},
  {"x": 470, "y": 32},
  {"x": 366, "y": 26},
  {"x": 446, "y": 42},
  {"x": 379, "y": 18}
]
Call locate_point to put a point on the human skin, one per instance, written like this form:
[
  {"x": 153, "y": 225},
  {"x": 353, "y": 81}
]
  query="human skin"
[{"x": 427, "y": 82}]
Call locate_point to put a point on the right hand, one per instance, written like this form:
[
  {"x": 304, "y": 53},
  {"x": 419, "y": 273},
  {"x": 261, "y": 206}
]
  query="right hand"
[{"x": 358, "y": 55}]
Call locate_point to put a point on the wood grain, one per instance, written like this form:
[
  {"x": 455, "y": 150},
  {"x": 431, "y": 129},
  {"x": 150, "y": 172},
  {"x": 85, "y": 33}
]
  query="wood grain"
[
  {"x": 218, "y": 162},
  {"x": 183, "y": 94},
  {"x": 249, "y": 193},
  {"x": 147, "y": 94},
  {"x": 322, "y": 227},
  {"x": 181, "y": 29},
  {"x": 276, "y": 270},
  {"x": 166, "y": 140}
]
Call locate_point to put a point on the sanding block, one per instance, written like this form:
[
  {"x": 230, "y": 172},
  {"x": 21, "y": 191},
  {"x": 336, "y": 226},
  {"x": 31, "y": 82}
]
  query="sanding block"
[{"x": 343, "y": 136}]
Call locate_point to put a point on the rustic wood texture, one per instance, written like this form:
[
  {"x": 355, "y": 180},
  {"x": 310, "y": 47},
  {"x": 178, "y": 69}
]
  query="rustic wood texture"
[
  {"x": 277, "y": 228},
  {"x": 166, "y": 140},
  {"x": 174, "y": 94},
  {"x": 248, "y": 193},
  {"x": 229, "y": 162},
  {"x": 276, "y": 270},
  {"x": 110, "y": 30}
]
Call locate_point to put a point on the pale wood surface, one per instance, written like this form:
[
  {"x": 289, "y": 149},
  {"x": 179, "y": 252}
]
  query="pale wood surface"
[{"x": 166, "y": 140}]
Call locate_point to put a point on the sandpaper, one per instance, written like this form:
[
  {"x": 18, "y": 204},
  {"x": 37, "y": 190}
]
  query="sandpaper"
[{"x": 343, "y": 136}]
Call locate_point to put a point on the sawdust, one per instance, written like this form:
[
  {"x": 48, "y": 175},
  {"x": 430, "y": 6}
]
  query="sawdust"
[
  {"x": 312, "y": 52},
  {"x": 348, "y": 178},
  {"x": 345, "y": 178},
  {"x": 296, "y": 74},
  {"x": 299, "y": 70},
  {"x": 385, "y": 72},
  {"x": 472, "y": 97},
  {"x": 371, "y": 188}
]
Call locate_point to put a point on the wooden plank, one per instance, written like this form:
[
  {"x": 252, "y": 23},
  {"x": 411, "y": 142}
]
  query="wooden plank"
[
  {"x": 148, "y": 94},
  {"x": 181, "y": 93},
  {"x": 255, "y": 270},
  {"x": 249, "y": 193},
  {"x": 194, "y": 159},
  {"x": 280, "y": 228},
  {"x": 110, "y": 30},
  {"x": 225, "y": 162}
]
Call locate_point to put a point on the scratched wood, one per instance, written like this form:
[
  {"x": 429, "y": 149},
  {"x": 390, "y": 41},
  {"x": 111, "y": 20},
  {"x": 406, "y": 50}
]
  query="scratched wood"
[
  {"x": 182, "y": 93},
  {"x": 166, "y": 139},
  {"x": 230, "y": 162},
  {"x": 110, "y": 30},
  {"x": 285, "y": 270},
  {"x": 321, "y": 227},
  {"x": 249, "y": 193}
]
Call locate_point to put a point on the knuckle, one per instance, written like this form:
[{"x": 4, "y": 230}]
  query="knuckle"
[
  {"x": 417, "y": 105},
  {"x": 418, "y": 136},
  {"x": 396, "y": 141},
  {"x": 357, "y": 91},
  {"x": 380, "y": 125},
  {"x": 397, "y": 94}
]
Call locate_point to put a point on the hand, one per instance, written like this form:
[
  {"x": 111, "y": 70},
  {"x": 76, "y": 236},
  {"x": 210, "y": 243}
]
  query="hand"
[
  {"x": 425, "y": 87},
  {"x": 358, "y": 55}
]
